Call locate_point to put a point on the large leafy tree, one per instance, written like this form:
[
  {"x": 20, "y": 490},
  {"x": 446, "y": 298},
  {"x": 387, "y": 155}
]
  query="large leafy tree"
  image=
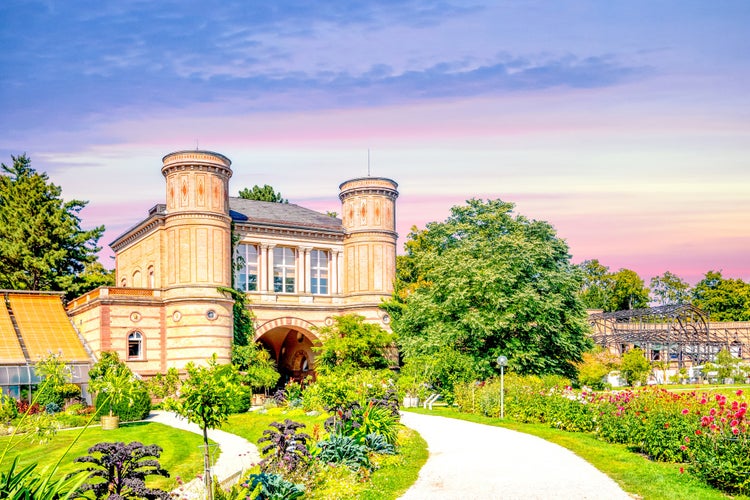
[
  {"x": 486, "y": 282},
  {"x": 628, "y": 291},
  {"x": 597, "y": 284},
  {"x": 724, "y": 299},
  {"x": 670, "y": 289},
  {"x": 265, "y": 193},
  {"x": 42, "y": 244}
]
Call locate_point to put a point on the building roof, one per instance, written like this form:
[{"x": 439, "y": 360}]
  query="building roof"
[
  {"x": 41, "y": 325},
  {"x": 281, "y": 214}
]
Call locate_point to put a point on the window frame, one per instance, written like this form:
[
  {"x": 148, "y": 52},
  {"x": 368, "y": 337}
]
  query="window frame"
[
  {"x": 244, "y": 266},
  {"x": 317, "y": 271},
  {"x": 284, "y": 270},
  {"x": 136, "y": 337}
]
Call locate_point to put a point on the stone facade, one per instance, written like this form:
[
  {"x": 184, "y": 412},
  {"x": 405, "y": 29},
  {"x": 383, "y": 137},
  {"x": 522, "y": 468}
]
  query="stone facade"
[{"x": 299, "y": 269}]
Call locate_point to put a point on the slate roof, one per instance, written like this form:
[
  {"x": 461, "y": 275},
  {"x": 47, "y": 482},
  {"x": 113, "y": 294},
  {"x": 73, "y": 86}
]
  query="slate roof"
[{"x": 281, "y": 214}]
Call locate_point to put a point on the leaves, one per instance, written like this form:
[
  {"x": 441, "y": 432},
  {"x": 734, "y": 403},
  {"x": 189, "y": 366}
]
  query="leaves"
[
  {"x": 265, "y": 193},
  {"x": 42, "y": 246},
  {"x": 488, "y": 282}
]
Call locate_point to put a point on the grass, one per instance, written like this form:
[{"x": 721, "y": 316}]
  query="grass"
[
  {"x": 635, "y": 473},
  {"x": 181, "y": 455},
  {"x": 390, "y": 481}
]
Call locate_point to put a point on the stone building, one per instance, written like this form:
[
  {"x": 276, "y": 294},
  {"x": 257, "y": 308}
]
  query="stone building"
[{"x": 299, "y": 269}]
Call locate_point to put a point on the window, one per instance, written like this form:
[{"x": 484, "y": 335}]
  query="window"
[
  {"x": 319, "y": 272},
  {"x": 123, "y": 282},
  {"x": 151, "y": 277},
  {"x": 246, "y": 268},
  {"x": 283, "y": 270},
  {"x": 135, "y": 346},
  {"x": 137, "y": 279}
]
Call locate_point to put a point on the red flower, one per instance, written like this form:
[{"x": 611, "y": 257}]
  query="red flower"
[
  {"x": 682, "y": 470},
  {"x": 685, "y": 411},
  {"x": 666, "y": 425},
  {"x": 698, "y": 432},
  {"x": 735, "y": 431},
  {"x": 683, "y": 447},
  {"x": 739, "y": 392},
  {"x": 687, "y": 439}
]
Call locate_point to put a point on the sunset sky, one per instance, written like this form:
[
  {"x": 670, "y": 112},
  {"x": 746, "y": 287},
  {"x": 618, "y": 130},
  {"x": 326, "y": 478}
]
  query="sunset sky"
[{"x": 625, "y": 124}]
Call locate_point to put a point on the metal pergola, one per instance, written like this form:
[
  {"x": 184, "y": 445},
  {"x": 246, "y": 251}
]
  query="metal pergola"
[{"x": 679, "y": 332}]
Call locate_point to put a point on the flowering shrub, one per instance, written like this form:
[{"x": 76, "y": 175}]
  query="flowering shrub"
[
  {"x": 720, "y": 448},
  {"x": 711, "y": 433}
]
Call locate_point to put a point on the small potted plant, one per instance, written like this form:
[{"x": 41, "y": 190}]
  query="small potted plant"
[{"x": 115, "y": 384}]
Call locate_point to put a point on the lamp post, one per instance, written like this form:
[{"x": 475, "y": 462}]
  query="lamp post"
[{"x": 502, "y": 362}]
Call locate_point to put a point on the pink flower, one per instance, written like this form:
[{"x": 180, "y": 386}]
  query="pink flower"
[
  {"x": 683, "y": 447},
  {"x": 739, "y": 392},
  {"x": 685, "y": 411},
  {"x": 687, "y": 439},
  {"x": 703, "y": 401},
  {"x": 712, "y": 412},
  {"x": 734, "y": 423},
  {"x": 735, "y": 431}
]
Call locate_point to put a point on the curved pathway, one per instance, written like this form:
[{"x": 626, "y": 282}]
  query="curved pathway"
[
  {"x": 475, "y": 461},
  {"x": 237, "y": 453}
]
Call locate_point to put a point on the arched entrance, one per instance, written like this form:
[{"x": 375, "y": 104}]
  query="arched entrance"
[{"x": 290, "y": 342}]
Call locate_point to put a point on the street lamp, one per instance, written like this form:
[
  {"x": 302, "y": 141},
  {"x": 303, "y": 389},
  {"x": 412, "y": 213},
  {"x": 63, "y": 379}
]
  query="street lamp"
[{"x": 502, "y": 362}]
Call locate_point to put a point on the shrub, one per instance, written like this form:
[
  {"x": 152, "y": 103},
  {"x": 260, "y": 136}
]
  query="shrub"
[
  {"x": 119, "y": 470},
  {"x": 135, "y": 406},
  {"x": 273, "y": 487},
  {"x": 720, "y": 448},
  {"x": 286, "y": 449},
  {"x": 378, "y": 444},
  {"x": 8, "y": 409},
  {"x": 343, "y": 450}
]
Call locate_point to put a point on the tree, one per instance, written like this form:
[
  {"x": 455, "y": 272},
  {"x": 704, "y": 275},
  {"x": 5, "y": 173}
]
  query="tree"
[
  {"x": 351, "y": 344},
  {"x": 635, "y": 367},
  {"x": 56, "y": 375},
  {"x": 486, "y": 282},
  {"x": 670, "y": 289},
  {"x": 93, "y": 276},
  {"x": 257, "y": 368},
  {"x": 119, "y": 471},
  {"x": 595, "y": 366},
  {"x": 724, "y": 299},
  {"x": 265, "y": 193},
  {"x": 628, "y": 291},
  {"x": 117, "y": 387},
  {"x": 206, "y": 397},
  {"x": 42, "y": 244},
  {"x": 597, "y": 285}
]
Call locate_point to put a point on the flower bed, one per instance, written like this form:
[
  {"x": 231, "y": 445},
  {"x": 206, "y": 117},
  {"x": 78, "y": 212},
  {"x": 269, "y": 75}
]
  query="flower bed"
[{"x": 708, "y": 432}]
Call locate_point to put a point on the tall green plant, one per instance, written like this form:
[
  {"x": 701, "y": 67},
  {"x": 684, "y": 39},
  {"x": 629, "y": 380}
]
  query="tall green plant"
[{"x": 206, "y": 398}]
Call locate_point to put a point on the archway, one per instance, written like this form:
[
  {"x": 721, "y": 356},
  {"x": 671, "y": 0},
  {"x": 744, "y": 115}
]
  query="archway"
[{"x": 290, "y": 342}]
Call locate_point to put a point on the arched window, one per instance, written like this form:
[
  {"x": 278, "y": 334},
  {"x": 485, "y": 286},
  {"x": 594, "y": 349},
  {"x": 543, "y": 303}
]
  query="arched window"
[
  {"x": 151, "y": 281},
  {"x": 137, "y": 279},
  {"x": 135, "y": 346},
  {"x": 124, "y": 282}
]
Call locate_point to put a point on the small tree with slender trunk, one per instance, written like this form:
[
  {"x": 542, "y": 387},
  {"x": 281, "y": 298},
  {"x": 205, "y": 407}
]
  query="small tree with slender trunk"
[{"x": 205, "y": 399}]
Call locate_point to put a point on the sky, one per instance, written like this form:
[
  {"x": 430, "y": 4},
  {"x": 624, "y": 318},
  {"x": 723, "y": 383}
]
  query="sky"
[{"x": 625, "y": 124}]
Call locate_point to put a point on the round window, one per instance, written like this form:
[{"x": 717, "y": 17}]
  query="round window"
[{"x": 211, "y": 314}]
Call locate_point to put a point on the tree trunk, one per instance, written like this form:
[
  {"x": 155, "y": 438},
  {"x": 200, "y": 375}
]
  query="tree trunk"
[{"x": 207, "y": 466}]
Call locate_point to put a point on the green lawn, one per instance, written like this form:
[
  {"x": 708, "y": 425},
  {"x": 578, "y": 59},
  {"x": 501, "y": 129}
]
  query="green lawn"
[
  {"x": 181, "y": 455},
  {"x": 635, "y": 473}
]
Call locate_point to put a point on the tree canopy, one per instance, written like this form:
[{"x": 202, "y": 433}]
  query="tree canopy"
[
  {"x": 351, "y": 344},
  {"x": 670, "y": 289},
  {"x": 602, "y": 289},
  {"x": 487, "y": 282},
  {"x": 42, "y": 245},
  {"x": 724, "y": 299},
  {"x": 265, "y": 193}
]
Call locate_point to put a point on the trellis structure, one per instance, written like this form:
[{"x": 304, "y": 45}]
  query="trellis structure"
[{"x": 678, "y": 333}]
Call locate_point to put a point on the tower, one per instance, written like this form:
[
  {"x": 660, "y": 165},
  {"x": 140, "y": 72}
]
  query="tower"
[
  {"x": 197, "y": 253},
  {"x": 369, "y": 219}
]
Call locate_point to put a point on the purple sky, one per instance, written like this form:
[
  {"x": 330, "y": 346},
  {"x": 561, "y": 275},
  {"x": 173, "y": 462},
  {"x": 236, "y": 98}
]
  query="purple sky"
[{"x": 625, "y": 124}]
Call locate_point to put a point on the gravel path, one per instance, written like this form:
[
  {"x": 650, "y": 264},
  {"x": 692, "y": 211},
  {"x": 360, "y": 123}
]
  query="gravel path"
[
  {"x": 474, "y": 461},
  {"x": 237, "y": 454}
]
